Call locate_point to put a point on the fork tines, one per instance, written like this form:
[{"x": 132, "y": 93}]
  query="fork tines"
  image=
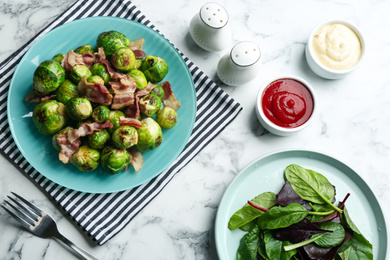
[{"x": 22, "y": 210}]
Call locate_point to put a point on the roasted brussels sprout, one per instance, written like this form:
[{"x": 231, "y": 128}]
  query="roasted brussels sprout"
[
  {"x": 79, "y": 108},
  {"x": 150, "y": 135},
  {"x": 111, "y": 41},
  {"x": 54, "y": 138},
  {"x": 158, "y": 91},
  {"x": 49, "y": 117},
  {"x": 95, "y": 79},
  {"x": 58, "y": 57},
  {"x": 139, "y": 78},
  {"x": 149, "y": 105},
  {"x": 66, "y": 91},
  {"x": 123, "y": 59},
  {"x": 100, "y": 114},
  {"x": 48, "y": 76},
  {"x": 113, "y": 159},
  {"x": 78, "y": 71},
  {"x": 166, "y": 117},
  {"x": 138, "y": 63},
  {"x": 86, "y": 48},
  {"x": 114, "y": 119},
  {"x": 101, "y": 71},
  {"x": 124, "y": 137},
  {"x": 86, "y": 158},
  {"x": 99, "y": 139},
  {"x": 154, "y": 68}
]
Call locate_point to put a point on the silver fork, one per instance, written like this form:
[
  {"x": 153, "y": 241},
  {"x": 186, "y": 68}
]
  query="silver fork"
[{"x": 39, "y": 223}]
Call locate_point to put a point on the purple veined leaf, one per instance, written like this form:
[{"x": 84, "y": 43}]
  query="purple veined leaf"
[
  {"x": 298, "y": 232},
  {"x": 287, "y": 196}
]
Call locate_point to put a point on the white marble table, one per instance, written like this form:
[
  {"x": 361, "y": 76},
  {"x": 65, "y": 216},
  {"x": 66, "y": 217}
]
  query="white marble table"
[{"x": 351, "y": 124}]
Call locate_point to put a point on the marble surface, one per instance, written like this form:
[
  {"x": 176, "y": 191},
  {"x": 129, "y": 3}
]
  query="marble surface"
[{"x": 351, "y": 124}]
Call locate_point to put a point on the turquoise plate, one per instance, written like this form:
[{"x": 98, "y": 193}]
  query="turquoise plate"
[
  {"x": 266, "y": 174},
  {"x": 37, "y": 149}
]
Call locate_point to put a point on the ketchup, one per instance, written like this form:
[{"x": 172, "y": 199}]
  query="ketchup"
[{"x": 287, "y": 103}]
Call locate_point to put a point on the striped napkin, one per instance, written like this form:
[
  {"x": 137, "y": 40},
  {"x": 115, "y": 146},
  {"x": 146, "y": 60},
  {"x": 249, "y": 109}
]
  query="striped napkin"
[{"x": 102, "y": 216}]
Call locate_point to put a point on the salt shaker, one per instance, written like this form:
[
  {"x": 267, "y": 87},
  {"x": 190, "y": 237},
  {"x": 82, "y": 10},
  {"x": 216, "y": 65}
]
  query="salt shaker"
[
  {"x": 241, "y": 65},
  {"x": 209, "y": 28}
]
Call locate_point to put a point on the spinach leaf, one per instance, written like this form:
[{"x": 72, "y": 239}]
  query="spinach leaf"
[
  {"x": 249, "y": 244},
  {"x": 281, "y": 217},
  {"x": 273, "y": 247},
  {"x": 331, "y": 239},
  {"x": 248, "y": 213},
  {"x": 310, "y": 185},
  {"x": 359, "y": 248}
]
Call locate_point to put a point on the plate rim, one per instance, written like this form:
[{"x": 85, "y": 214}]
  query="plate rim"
[
  {"x": 122, "y": 20},
  {"x": 218, "y": 225}
]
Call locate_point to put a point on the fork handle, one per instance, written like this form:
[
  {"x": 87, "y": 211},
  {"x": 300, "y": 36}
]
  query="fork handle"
[{"x": 80, "y": 252}]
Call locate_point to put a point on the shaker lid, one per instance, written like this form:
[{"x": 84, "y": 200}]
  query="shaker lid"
[
  {"x": 214, "y": 15},
  {"x": 245, "y": 53}
]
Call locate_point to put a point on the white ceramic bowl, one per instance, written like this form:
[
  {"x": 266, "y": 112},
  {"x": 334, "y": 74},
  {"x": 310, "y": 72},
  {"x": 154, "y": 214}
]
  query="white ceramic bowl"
[
  {"x": 320, "y": 69},
  {"x": 268, "y": 124}
]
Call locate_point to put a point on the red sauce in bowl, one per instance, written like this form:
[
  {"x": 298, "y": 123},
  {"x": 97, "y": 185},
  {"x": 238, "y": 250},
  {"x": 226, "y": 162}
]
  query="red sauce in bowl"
[{"x": 287, "y": 103}]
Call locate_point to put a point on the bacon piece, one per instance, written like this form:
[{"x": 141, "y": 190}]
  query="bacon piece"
[
  {"x": 169, "y": 98},
  {"x": 133, "y": 110},
  {"x": 137, "y": 159},
  {"x": 68, "y": 147},
  {"x": 130, "y": 121},
  {"x": 139, "y": 54},
  {"x": 110, "y": 69},
  {"x": 34, "y": 98},
  {"x": 137, "y": 44},
  {"x": 123, "y": 91},
  {"x": 95, "y": 92},
  {"x": 71, "y": 59},
  {"x": 87, "y": 129}
]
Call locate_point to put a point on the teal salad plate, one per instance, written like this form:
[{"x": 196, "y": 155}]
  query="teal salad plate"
[
  {"x": 266, "y": 174},
  {"x": 37, "y": 148}
]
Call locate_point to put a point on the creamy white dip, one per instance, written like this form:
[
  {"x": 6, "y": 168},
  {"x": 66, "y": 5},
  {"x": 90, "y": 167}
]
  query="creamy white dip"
[{"x": 337, "y": 46}]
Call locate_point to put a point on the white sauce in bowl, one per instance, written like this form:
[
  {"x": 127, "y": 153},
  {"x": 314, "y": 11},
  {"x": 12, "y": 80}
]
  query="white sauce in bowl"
[{"x": 337, "y": 46}]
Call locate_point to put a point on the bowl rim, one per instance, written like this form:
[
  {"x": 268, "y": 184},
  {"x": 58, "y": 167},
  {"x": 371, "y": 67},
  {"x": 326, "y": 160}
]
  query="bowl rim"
[
  {"x": 259, "y": 106},
  {"x": 350, "y": 25}
]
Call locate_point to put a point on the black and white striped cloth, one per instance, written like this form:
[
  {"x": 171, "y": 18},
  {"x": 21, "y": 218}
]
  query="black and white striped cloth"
[{"x": 102, "y": 216}]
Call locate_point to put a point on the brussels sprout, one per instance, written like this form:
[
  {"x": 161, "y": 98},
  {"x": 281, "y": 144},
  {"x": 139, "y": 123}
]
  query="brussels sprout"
[
  {"x": 86, "y": 158},
  {"x": 49, "y": 117},
  {"x": 111, "y": 41},
  {"x": 139, "y": 78},
  {"x": 58, "y": 57},
  {"x": 98, "y": 139},
  {"x": 114, "y": 119},
  {"x": 113, "y": 159},
  {"x": 149, "y": 105},
  {"x": 100, "y": 114},
  {"x": 124, "y": 137},
  {"x": 95, "y": 79},
  {"x": 79, "y": 108},
  {"x": 48, "y": 76},
  {"x": 54, "y": 138},
  {"x": 158, "y": 91},
  {"x": 86, "y": 48},
  {"x": 154, "y": 68},
  {"x": 166, "y": 117},
  {"x": 123, "y": 59},
  {"x": 67, "y": 91},
  {"x": 101, "y": 71},
  {"x": 78, "y": 71},
  {"x": 150, "y": 135}
]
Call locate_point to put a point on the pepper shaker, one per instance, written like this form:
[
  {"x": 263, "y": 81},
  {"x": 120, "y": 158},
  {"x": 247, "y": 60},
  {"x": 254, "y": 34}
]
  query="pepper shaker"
[
  {"x": 241, "y": 65},
  {"x": 210, "y": 29}
]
